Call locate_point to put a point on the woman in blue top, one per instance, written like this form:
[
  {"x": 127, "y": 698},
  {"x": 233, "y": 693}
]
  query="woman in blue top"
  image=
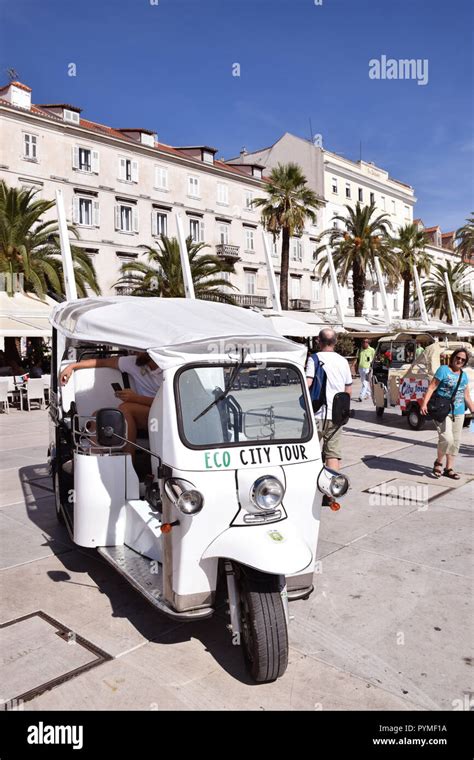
[{"x": 449, "y": 431}]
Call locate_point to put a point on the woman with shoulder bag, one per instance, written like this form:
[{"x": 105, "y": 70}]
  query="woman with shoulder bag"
[{"x": 445, "y": 401}]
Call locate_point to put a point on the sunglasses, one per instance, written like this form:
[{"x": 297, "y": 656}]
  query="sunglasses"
[{"x": 460, "y": 359}]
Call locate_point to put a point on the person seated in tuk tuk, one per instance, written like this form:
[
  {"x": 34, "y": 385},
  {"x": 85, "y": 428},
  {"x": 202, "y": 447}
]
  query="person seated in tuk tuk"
[{"x": 145, "y": 379}]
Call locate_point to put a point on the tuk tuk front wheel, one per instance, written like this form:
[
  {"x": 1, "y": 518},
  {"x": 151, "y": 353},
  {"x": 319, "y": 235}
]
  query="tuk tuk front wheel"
[
  {"x": 414, "y": 418},
  {"x": 263, "y": 623}
]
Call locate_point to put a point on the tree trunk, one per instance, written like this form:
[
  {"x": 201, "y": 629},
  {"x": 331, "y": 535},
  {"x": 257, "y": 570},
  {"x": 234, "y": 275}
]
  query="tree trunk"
[
  {"x": 285, "y": 265},
  {"x": 358, "y": 288},
  {"x": 406, "y": 296}
]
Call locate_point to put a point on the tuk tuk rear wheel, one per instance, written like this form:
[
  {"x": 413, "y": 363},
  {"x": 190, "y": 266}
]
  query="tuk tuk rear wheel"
[
  {"x": 263, "y": 622},
  {"x": 414, "y": 418}
]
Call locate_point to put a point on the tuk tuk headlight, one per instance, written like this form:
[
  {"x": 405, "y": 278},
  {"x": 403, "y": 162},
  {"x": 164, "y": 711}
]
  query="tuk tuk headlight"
[
  {"x": 267, "y": 492},
  {"x": 332, "y": 483},
  {"x": 184, "y": 496}
]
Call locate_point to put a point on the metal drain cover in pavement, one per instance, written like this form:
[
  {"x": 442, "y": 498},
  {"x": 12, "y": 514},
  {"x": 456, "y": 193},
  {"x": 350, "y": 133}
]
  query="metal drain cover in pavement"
[{"x": 38, "y": 653}]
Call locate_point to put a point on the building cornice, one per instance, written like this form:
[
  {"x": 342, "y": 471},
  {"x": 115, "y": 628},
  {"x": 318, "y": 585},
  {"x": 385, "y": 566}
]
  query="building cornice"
[{"x": 381, "y": 186}]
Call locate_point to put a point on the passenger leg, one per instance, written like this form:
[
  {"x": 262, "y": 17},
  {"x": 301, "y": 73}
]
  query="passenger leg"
[{"x": 136, "y": 417}]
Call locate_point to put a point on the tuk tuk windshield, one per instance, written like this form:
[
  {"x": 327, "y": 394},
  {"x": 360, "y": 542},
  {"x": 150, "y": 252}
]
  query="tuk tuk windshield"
[{"x": 261, "y": 404}]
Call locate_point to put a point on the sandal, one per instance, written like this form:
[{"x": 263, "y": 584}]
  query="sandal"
[
  {"x": 437, "y": 469},
  {"x": 451, "y": 474}
]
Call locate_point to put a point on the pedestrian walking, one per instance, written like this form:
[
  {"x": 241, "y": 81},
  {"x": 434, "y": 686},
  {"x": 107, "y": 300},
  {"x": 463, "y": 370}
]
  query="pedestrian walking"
[
  {"x": 364, "y": 360},
  {"x": 446, "y": 400},
  {"x": 338, "y": 379}
]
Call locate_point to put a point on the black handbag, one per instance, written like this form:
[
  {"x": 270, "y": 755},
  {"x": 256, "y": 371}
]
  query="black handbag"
[{"x": 440, "y": 406}]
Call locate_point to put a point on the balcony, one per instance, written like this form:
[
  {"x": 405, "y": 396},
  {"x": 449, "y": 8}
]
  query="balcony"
[
  {"x": 300, "y": 304},
  {"x": 126, "y": 290},
  {"x": 245, "y": 300},
  {"x": 227, "y": 251}
]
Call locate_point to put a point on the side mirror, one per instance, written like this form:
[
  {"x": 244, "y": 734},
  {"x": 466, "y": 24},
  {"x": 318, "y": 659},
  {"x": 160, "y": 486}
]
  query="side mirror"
[
  {"x": 110, "y": 428},
  {"x": 341, "y": 408}
]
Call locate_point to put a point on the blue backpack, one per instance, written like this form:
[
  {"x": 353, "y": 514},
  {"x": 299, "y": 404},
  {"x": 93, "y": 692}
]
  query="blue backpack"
[{"x": 318, "y": 386}]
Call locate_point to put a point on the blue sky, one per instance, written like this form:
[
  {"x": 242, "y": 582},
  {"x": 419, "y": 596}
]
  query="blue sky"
[{"x": 168, "y": 67}]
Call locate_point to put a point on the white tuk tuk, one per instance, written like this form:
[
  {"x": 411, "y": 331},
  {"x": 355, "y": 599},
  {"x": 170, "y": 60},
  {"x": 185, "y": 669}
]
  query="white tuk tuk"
[{"x": 227, "y": 480}]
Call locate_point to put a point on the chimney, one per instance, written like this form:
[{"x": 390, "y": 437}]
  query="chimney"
[{"x": 17, "y": 94}]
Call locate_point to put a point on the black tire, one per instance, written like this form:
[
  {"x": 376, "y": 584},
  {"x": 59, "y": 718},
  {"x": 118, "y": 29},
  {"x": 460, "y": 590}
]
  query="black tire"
[
  {"x": 414, "y": 418},
  {"x": 57, "y": 487},
  {"x": 379, "y": 410},
  {"x": 264, "y": 629}
]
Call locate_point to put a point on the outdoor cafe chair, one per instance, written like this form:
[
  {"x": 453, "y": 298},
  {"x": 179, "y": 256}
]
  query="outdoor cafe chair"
[{"x": 33, "y": 390}]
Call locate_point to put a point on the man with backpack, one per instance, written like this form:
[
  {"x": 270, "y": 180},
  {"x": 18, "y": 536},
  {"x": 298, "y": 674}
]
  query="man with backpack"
[{"x": 328, "y": 373}]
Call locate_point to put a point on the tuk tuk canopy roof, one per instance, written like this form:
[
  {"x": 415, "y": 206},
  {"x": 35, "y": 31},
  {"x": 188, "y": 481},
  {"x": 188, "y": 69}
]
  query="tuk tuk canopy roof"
[{"x": 172, "y": 330}]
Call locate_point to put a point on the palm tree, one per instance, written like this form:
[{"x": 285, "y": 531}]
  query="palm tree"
[
  {"x": 409, "y": 246},
  {"x": 30, "y": 247},
  {"x": 361, "y": 238},
  {"x": 162, "y": 275},
  {"x": 465, "y": 240},
  {"x": 289, "y": 202},
  {"x": 435, "y": 293}
]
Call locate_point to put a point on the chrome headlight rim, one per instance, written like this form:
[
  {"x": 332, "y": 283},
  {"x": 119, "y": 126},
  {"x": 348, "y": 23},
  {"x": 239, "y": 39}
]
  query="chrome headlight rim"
[
  {"x": 179, "y": 491},
  {"x": 331, "y": 476},
  {"x": 259, "y": 486}
]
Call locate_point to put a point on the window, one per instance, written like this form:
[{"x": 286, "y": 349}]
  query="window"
[
  {"x": 250, "y": 283},
  {"x": 334, "y": 184},
  {"x": 193, "y": 187},
  {"x": 207, "y": 157},
  {"x": 295, "y": 288},
  {"x": 85, "y": 211},
  {"x": 223, "y": 231},
  {"x": 71, "y": 116},
  {"x": 159, "y": 223},
  {"x": 375, "y": 304},
  {"x": 126, "y": 218},
  {"x": 161, "y": 177},
  {"x": 382, "y": 201},
  {"x": 274, "y": 248},
  {"x": 350, "y": 302},
  {"x": 196, "y": 230},
  {"x": 30, "y": 146},
  {"x": 249, "y": 239},
  {"x": 348, "y": 190},
  {"x": 128, "y": 170},
  {"x": 249, "y": 199},
  {"x": 395, "y": 302},
  {"x": 372, "y": 198},
  {"x": 407, "y": 212},
  {"x": 297, "y": 250},
  {"x": 315, "y": 291},
  {"x": 360, "y": 194},
  {"x": 394, "y": 208},
  {"x": 85, "y": 159},
  {"x": 222, "y": 194}
]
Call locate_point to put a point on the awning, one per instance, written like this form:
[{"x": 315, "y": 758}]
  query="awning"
[{"x": 25, "y": 315}]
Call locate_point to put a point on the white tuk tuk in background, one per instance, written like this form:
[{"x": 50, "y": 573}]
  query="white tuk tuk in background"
[{"x": 228, "y": 478}]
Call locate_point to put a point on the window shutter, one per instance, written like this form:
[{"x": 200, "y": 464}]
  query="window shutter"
[
  {"x": 75, "y": 210},
  {"x": 95, "y": 161},
  {"x": 117, "y": 217},
  {"x": 201, "y": 231},
  {"x": 164, "y": 178},
  {"x": 96, "y": 213},
  {"x": 122, "y": 168},
  {"x": 135, "y": 219},
  {"x": 157, "y": 176},
  {"x": 154, "y": 223},
  {"x": 75, "y": 157},
  {"x": 134, "y": 171}
]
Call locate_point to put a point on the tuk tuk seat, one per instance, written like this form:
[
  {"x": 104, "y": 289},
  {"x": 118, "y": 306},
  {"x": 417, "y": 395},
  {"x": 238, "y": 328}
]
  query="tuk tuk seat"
[{"x": 91, "y": 389}]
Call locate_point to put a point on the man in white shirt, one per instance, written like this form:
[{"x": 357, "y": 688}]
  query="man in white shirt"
[
  {"x": 339, "y": 379},
  {"x": 145, "y": 380}
]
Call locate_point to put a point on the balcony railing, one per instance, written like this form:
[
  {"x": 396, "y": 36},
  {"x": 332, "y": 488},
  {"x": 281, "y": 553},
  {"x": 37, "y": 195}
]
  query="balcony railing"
[
  {"x": 227, "y": 251},
  {"x": 245, "y": 300},
  {"x": 300, "y": 304},
  {"x": 124, "y": 290}
]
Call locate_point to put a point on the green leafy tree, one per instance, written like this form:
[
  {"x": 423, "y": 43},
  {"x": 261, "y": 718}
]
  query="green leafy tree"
[
  {"x": 465, "y": 240},
  {"x": 409, "y": 246},
  {"x": 356, "y": 242},
  {"x": 161, "y": 274},
  {"x": 286, "y": 207},
  {"x": 436, "y": 295},
  {"x": 30, "y": 247}
]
